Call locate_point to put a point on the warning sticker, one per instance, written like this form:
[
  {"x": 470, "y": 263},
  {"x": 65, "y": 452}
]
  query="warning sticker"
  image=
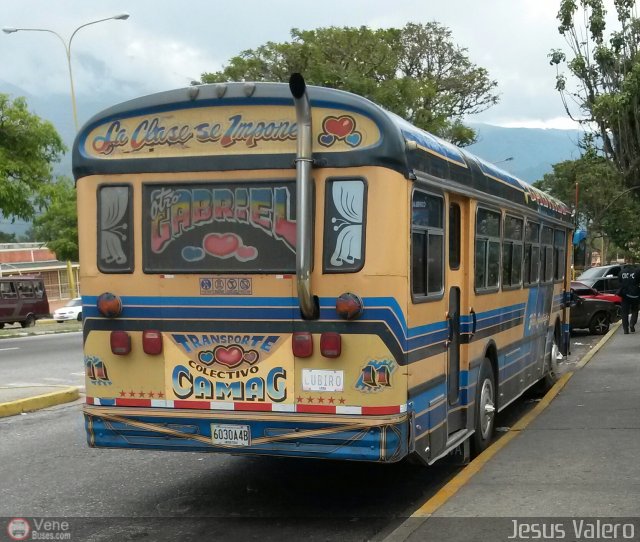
[{"x": 225, "y": 286}]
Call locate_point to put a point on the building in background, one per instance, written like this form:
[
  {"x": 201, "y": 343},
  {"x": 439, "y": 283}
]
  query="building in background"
[{"x": 37, "y": 259}]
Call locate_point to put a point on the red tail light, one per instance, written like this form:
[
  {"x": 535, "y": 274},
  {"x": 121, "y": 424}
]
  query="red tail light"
[
  {"x": 152, "y": 342},
  {"x": 302, "y": 344},
  {"x": 330, "y": 344},
  {"x": 120, "y": 343}
]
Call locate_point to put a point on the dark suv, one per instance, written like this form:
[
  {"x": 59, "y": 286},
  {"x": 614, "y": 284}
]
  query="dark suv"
[{"x": 604, "y": 278}]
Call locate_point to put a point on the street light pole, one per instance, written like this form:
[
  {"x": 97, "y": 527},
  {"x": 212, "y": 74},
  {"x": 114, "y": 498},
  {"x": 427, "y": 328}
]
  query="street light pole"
[{"x": 67, "y": 50}]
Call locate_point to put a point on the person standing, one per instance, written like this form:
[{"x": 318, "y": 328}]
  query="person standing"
[{"x": 630, "y": 293}]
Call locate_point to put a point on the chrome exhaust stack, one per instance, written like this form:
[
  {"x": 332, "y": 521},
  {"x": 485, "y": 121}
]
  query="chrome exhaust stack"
[{"x": 304, "y": 198}]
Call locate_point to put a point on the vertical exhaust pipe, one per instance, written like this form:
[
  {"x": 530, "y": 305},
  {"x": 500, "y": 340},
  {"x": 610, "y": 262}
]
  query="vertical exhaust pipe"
[{"x": 304, "y": 198}]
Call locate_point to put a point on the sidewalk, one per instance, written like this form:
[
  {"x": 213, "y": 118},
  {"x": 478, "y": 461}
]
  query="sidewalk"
[
  {"x": 18, "y": 399},
  {"x": 577, "y": 459}
]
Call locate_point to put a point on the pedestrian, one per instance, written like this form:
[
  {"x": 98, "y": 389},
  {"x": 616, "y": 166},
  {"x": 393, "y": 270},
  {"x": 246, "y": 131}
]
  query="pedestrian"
[{"x": 630, "y": 293}]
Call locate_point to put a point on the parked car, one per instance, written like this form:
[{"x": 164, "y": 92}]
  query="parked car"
[
  {"x": 583, "y": 290},
  {"x": 71, "y": 311},
  {"x": 594, "y": 314},
  {"x": 604, "y": 278}
]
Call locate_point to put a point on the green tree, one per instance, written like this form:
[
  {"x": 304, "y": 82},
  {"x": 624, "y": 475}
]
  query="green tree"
[
  {"x": 58, "y": 223},
  {"x": 7, "y": 237},
  {"x": 28, "y": 148},
  {"x": 605, "y": 207},
  {"x": 606, "y": 65},
  {"x": 417, "y": 72}
]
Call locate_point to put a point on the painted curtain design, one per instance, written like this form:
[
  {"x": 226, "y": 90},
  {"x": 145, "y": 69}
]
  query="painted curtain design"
[{"x": 344, "y": 226}]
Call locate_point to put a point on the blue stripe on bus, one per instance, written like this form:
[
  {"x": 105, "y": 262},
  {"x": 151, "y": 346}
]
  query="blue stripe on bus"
[{"x": 377, "y": 309}]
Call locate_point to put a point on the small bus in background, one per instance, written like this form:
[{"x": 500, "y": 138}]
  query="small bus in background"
[{"x": 23, "y": 299}]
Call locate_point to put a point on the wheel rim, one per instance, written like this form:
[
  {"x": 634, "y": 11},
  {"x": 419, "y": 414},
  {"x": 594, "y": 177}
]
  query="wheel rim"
[
  {"x": 601, "y": 324},
  {"x": 556, "y": 355},
  {"x": 487, "y": 408}
]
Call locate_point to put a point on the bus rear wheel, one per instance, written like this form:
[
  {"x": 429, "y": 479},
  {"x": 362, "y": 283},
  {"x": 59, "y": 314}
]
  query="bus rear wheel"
[
  {"x": 551, "y": 369},
  {"x": 485, "y": 408}
]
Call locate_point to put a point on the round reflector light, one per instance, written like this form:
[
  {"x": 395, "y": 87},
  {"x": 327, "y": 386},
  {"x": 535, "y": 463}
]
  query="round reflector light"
[
  {"x": 349, "y": 306},
  {"x": 109, "y": 305}
]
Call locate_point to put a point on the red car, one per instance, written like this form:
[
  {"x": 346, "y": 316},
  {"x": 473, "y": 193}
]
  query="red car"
[{"x": 585, "y": 291}]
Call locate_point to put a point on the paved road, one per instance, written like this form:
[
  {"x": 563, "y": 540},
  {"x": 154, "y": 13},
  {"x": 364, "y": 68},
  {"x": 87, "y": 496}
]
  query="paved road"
[
  {"x": 42, "y": 359},
  {"x": 47, "y": 469}
]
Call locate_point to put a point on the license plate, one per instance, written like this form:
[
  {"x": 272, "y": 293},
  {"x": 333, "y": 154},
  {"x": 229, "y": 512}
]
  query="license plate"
[{"x": 231, "y": 435}]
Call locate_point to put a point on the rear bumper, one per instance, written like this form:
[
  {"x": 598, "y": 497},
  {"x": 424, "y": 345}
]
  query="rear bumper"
[{"x": 357, "y": 438}]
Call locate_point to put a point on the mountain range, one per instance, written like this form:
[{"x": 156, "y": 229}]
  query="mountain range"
[{"x": 527, "y": 153}]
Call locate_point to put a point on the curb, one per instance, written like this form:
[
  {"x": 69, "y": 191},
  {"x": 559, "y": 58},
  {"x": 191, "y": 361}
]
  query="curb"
[
  {"x": 426, "y": 510},
  {"x": 29, "y": 404}
]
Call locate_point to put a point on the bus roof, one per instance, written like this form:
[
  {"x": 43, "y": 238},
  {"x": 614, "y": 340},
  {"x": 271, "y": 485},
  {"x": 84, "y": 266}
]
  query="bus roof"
[{"x": 234, "y": 126}]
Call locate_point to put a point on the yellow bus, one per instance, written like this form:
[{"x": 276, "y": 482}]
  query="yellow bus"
[{"x": 290, "y": 270}]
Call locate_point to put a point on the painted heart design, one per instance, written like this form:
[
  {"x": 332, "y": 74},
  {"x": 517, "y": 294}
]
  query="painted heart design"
[
  {"x": 251, "y": 357},
  {"x": 221, "y": 245},
  {"x": 339, "y": 127},
  {"x": 354, "y": 139},
  {"x": 206, "y": 357},
  {"x": 192, "y": 254},
  {"x": 326, "y": 140},
  {"x": 229, "y": 356},
  {"x": 244, "y": 253}
]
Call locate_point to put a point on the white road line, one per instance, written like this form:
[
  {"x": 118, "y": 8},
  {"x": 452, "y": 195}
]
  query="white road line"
[{"x": 13, "y": 348}]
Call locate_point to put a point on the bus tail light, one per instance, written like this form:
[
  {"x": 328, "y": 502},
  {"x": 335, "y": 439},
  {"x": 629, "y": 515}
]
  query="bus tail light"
[
  {"x": 120, "y": 343},
  {"x": 330, "y": 344},
  {"x": 152, "y": 342},
  {"x": 302, "y": 344},
  {"x": 349, "y": 306}
]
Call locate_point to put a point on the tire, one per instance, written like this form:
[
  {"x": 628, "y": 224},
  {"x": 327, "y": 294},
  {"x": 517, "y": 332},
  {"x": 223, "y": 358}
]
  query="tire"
[
  {"x": 485, "y": 408},
  {"x": 599, "y": 323},
  {"x": 1, "y": 325},
  {"x": 551, "y": 370},
  {"x": 30, "y": 321},
  {"x": 79, "y": 317}
]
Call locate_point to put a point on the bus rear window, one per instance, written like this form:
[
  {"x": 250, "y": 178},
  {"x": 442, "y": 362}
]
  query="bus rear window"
[
  {"x": 115, "y": 229},
  {"x": 345, "y": 210},
  {"x": 219, "y": 227}
]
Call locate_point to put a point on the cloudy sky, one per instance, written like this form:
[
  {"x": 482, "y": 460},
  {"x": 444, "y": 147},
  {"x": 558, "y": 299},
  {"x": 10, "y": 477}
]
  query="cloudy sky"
[{"x": 165, "y": 45}]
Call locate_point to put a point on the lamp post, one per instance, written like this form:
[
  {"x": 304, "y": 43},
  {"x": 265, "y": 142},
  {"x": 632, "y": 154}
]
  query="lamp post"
[{"x": 67, "y": 49}]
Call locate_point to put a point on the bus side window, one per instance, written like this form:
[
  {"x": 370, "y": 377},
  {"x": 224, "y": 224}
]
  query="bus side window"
[
  {"x": 512, "y": 251},
  {"x": 559, "y": 262},
  {"x": 487, "y": 272},
  {"x": 531, "y": 253},
  {"x": 547, "y": 254},
  {"x": 427, "y": 244},
  {"x": 454, "y": 236}
]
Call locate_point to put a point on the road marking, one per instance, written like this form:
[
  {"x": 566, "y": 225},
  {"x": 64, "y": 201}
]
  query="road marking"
[{"x": 12, "y": 348}]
